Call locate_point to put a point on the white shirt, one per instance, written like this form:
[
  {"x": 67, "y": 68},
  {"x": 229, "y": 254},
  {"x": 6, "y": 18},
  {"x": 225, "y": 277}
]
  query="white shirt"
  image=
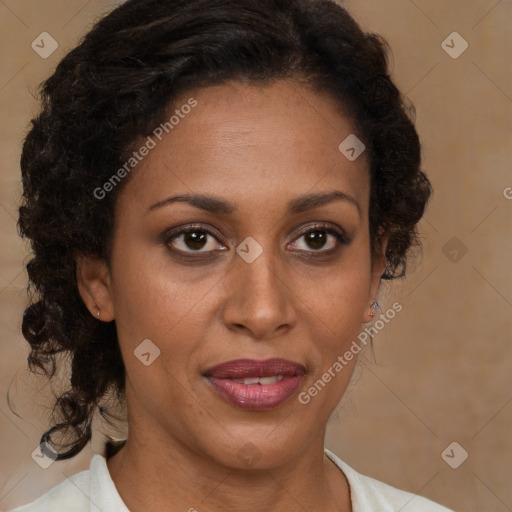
[{"x": 94, "y": 490}]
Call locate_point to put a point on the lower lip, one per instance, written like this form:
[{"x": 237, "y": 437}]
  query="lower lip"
[{"x": 256, "y": 397}]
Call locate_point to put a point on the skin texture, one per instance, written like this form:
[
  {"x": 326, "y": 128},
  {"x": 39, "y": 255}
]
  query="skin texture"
[{"x": 258, "y": 148}]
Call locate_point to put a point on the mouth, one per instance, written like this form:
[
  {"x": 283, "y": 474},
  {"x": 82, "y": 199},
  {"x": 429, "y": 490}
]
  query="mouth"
[{"x": 256, "y": 385}]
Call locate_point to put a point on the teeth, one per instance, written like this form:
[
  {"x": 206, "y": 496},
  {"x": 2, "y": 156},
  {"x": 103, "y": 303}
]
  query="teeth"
[
  {"x": 268, "y": 380},
  {"x": 259, "y": 380}
]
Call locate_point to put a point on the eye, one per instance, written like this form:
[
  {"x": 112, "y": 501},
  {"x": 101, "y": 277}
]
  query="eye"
[
  {"x": 194, "y": 239},
  {"x": 320, "y": 238}
]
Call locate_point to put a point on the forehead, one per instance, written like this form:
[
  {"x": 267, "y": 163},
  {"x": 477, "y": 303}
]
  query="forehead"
[{"x": 242, "y": 141}]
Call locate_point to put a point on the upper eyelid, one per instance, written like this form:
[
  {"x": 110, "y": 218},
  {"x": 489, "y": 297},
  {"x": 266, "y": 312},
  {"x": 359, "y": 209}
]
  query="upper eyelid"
[
  {"x": 319, "y": 225},
  {"x": 173, "y": 233}
]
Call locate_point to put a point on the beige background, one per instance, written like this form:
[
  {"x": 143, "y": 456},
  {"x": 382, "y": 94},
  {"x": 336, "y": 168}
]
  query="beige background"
[{"x": 443, "y": 365}]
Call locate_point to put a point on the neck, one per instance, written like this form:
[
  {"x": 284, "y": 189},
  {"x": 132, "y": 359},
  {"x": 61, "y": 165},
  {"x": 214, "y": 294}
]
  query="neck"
[{"x": 180, "y": 479}]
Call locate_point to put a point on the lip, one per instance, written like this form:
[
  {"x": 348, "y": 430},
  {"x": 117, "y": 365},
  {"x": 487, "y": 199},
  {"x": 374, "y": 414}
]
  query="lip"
[
  {"x": 255, "y": 397},
  {"x": 247, "y": 368}
]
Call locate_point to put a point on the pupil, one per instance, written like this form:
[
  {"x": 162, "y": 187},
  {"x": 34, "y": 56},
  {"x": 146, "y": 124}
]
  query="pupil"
[
  {"x": 316, "y": 239},
  {"x": 195, "y": 239}
]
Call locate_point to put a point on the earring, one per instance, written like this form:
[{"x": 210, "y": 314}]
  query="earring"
[
  {"x": 99, "y": 310},
  {"x": 374, "y": 305}
]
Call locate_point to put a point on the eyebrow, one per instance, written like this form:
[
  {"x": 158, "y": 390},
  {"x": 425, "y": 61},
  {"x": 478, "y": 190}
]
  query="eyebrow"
[{"x": 217, "y": 205}]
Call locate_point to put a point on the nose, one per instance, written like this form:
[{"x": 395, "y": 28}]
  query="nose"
[{"x": 259, "y": 301}]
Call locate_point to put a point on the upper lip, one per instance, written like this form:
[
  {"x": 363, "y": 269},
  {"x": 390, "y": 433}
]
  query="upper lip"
[{"x": 246, "y": 368}]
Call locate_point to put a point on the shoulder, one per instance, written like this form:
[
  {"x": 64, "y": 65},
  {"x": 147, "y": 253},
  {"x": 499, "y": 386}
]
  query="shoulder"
[
  {"x": 70, "y": 495},
  {"x": 368, "y": 494},
  {"x": 88, "y": 491}
]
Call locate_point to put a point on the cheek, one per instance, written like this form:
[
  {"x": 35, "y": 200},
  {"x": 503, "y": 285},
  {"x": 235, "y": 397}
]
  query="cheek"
[
  {"x": 154, "y": 301},
  {"x": 339, "y": 298},
  {"x": 334, "y": 308},
  {"x": 151, "y": 306},
  {"x": 148, "y": 293}
]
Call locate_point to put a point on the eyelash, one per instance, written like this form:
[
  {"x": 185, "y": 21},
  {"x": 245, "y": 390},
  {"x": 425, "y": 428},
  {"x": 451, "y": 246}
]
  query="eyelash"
[{"x": 341, "y": 237}]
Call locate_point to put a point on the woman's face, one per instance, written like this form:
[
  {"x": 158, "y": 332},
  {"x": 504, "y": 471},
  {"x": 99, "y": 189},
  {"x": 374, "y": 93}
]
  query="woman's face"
[{"x": 267, "y": 271}]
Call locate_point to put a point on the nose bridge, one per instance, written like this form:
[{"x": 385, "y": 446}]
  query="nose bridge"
[
  {"x": 261, "y": 276},
  {"x": 259, "y": 299}
]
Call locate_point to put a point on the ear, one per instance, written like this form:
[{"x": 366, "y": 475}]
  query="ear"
[
  {"x": 93, "y": 278},
  {"x": 377, "y": 269}
]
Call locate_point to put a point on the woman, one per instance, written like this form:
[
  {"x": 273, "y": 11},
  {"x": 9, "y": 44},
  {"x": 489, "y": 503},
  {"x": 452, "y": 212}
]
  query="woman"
[{"x": 214, "y": 190}]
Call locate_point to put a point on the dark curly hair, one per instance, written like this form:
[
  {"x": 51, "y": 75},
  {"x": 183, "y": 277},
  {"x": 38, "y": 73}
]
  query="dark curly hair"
[{"x": 116, "y": 86}]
